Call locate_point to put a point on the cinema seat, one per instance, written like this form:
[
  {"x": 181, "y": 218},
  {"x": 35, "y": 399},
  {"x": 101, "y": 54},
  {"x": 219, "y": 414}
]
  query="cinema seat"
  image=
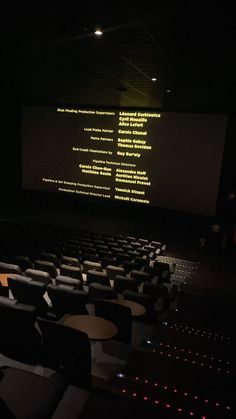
[
  {"x": 99, "y": 277},
  {"x": 67, "y": 300},
  {"x": 38, "y": 275},
  {"x": 24, "y": 262},
  {"x": 10, "y": 268},
  {"x": 99, "y": 291},
  {"x": 112, "y": 271},
  {"x": 139, "y": 276},
  {"x": 88, "y": 265},
  {"x": 72, "y": 271},
  {"x": 68, "y": 351},
  {"x": 19, "y": 338},
  {"x": 28, "y": 291},
  {"x": 25, "y": 395},
  {"x": 67, "y": 280},
  {"x": 46, "y": 266},
  {"x": 119, "y": 315},
  {"x": 122, "y": 283}
]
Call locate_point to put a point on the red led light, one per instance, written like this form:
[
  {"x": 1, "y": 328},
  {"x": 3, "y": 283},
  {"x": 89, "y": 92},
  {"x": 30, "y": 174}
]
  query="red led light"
[
  {"x": 195, "y": 397},
  {"x": 136, "y": 378},
  {"x": 175, "y": 390},
  {"x": 191, "y": 413},
  {"x": 217, "y": 404},
  {"x": 206, "y": 401},
  {"x": 146, "y": 381},
  {"x": 155, "y": 384},
  {"x": 134, "y": 394},
  {"x": 156, "y": 402},
  {"x": 168, "y": 406},
  {"x": 228, "y": 407},
  {"x": 165, "y": 387},
  {"x": 179, "y": 409},
  {"x": 123, "y": 390},
  {"x": 185, "y": 394},
  {"x": 145, "y": 398}
]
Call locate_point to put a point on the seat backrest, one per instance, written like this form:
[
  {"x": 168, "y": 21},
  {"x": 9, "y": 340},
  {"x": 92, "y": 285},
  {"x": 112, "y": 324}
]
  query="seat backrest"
[
  {"x": 50, "y": 257},
  {"x": 67, "y": 300},
  {"x": 129, "y": 266},
  {"x": 23, "y": 261},
  {"x": 112, "y": 271},
  {"x": 99, "y": 277},
  {"x": 69, "y": 261},
  {"x": 88, "y": 265},
  {"x": 68, "y": 350},
  {"x": 67, "y": 280},
  {"x": 10, "y": 268},
  {"x": 144, "y": 300},
  {"x": 117, "y": 314},
  {"x": 19, "y": 339},
  {"x": 99, "y": 291},
  {"x": 122, "y": 283},
  {"x": 46, "y": 266},
  {"x": 27, "y": 291},
  {"x": 72, "y": 271},
  {"x": 139, "y": 276},
  {"x": 38, "y": 275}
]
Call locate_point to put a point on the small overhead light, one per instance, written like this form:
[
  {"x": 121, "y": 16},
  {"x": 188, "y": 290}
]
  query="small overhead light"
[
  {"x": 168, "y": 91},
  {"x": 98, "y": 32},
  {"x": 154, "y": 79}
]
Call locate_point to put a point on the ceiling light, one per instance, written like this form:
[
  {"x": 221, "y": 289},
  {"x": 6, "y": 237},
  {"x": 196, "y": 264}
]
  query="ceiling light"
[
  {"x": 98, "y": 32},
  {"x": 154, "y": 79},
  {"x": 168, "y": 91}
]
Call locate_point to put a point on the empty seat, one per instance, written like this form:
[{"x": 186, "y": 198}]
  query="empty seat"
[
  {"x": 50, "y": 257},
  {"x": 67, "y": 280},
  {"x": 19, "y": 339},
  {"x": 143, "y": 299},
  {"x": 72, "y": 271},
  {"x": 108, "y": 260},
  {"x": 112, "y": 271},
  {"x": 68, "y": 351},
  {"x": 140, "y": 276},
  {"x": 24, "y": 262},
  {"x": 153, "y": 272},
  {"x": 122, "y": 283},
  {"x": 99, "y": 291},
  {"x": 119, "y": 315},
  {"x": 129, "y": 266},
  {"x": 143, "y": 242},
  {"x": 159, "y": 294},
  {"x": 46, "y": 266},
  {"x": 10, "y": 268},
  {"x": 156, "y": 244},
  {"x": 67, "y": 300},
  {"x": 38, "y": 275},
  {"x": 99, "y": 277},
  {"x": 90, "y": 257},
  {"x": 27, "y": 291},
  {"x": 143, "y": 252},
  {"x": 27, "y": 395},
  {"x": 141, "y": 261},
  {"x": 66, "y": 260},
  {"x": 88, "y": 266}
]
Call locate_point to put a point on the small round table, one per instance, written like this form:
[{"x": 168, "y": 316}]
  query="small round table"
[
  {"x": 136, "y": 308},
  {"x": 96, "y": 327}
]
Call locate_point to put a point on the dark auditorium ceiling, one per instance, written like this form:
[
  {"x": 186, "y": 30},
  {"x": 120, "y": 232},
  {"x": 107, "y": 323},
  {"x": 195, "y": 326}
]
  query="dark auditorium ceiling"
[{"x": 51, "y": 55}]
